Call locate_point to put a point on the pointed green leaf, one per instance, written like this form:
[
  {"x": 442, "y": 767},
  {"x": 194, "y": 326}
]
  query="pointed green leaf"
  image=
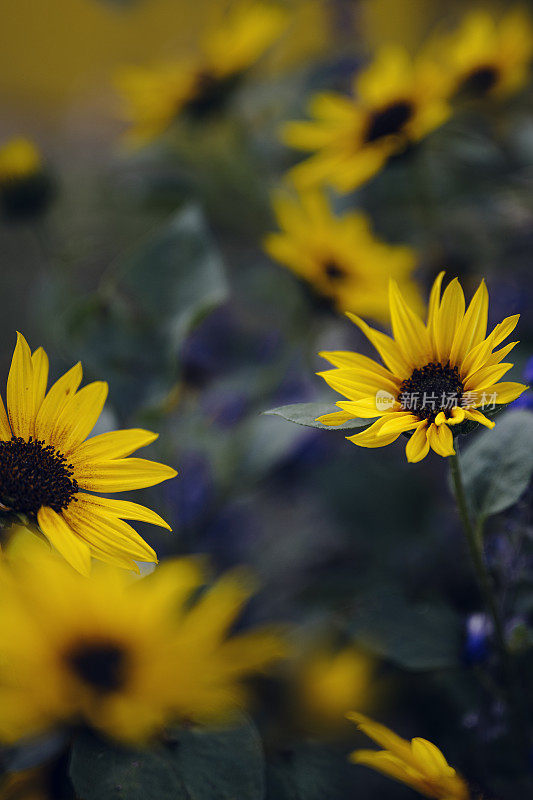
[{"x": 307, "y": 413}]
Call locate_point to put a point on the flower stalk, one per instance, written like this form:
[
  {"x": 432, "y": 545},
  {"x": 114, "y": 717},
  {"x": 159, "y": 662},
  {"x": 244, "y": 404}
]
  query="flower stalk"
[{"x": 474, "y": 538}]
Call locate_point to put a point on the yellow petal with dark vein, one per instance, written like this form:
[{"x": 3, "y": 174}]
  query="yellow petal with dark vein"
[
  {"x": 39, "y": 360},
  {"x": 386, "y": 347},
  {"x": 65, "y": 541},
  {"x": 108, "y": 532},
  {"x": 20, "y": 395},
  {"x": 409, "y": 331},
  {"x": 417, "y": 447},
  {"x": 115, "y": 444},
  {"x": 449, "y": 317},
  {"x": 124, "y": 509},
  {"x": 122, "y": 474},
  {"x": 5, "y": 428},
  {"x": 79, "y": 417},
  {"x": 55, "y": 400}
]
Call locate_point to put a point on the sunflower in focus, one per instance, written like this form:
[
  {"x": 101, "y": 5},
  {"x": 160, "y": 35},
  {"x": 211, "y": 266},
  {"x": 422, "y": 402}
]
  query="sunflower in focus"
[
  {"x": 121, "y": 654},
  {"x": 435, "y": 375},
  {"x": 488, "y": 56},
  {"x": 396, "y": 102},
  {"x": 49, "y": 469},
  {"x": 418, "y": 763},
  {"x": 340, "y": 256},
  {"x": 199, "y": 83}
]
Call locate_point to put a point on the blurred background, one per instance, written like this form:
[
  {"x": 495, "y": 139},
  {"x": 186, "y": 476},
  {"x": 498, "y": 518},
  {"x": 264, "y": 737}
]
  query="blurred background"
[{"x": 132, "y": 238}]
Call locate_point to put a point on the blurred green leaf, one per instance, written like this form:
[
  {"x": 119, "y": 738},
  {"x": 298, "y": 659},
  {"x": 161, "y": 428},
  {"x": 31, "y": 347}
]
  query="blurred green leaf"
[
  {"x": 311, "y": 772},
  {"x": 306, "y": 414},
  {"x": 195, "y": 764},
  {"x": 133, "y": 328},
  {"x": 497, "y": 466},
  {"x": 421, "y": 636}
]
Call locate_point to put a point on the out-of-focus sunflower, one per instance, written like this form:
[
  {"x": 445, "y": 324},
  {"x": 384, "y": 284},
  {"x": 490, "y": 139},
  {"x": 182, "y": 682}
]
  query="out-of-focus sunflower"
[
  {"x": 25, "y": 186},
  {"x": 340, "y": 256},
  {"x": 397, "y": 101},
  {"x": 48, "y": 467},
  {"x": 328, "y": 681},
  {"x": 488, "y": 56},
  {"x": 436, "y": 375},
  {"x": 122, "y": 654},
  {"x": 199, "y": 82},
  {"x": 418, "y": 763}
]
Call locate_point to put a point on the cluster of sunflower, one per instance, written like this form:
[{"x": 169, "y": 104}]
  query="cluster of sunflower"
[
  {"x": 129, "y": 656},
  {"x": 397, "y": 101}
]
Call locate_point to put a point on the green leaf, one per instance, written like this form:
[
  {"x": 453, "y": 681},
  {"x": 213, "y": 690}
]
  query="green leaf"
[
  {"x": 306, "y": 414},
  {"x": 132, "y": 329},
  {"x": 422, "y": 636},
  {"x": 311, "y": 772},
  {"x": 193, "y": 764},
  {"x": 498, "y": 465},
  {"x": 100, "y": 770},
  {"x": 221, "y": 764}
]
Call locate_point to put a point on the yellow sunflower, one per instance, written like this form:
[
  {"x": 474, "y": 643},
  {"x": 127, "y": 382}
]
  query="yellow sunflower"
[
  {"x": 397, "y": 101},
  {"x": 49, "y": 469},
  {"x": 340, "y": 256},
  {"x": 199, "y": 82},
  {"x": 435, "y": 375},
  {"x": 25, "y": 186},
  {"x": 489, "y": 56},
  {"x": 418, "y": 763},
  {"x": 122, "y": 654}
]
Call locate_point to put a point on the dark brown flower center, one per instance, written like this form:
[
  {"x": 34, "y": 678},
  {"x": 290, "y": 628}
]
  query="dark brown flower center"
[
  {"x": 32, "y": 475},
  {"x": 210, "y": 94},
  {"x": 480, "y": 81},
  {"x": 333, "y": 271},
  {"x": 431, "y": 389},
  {"x": 101, "y": 665},
  {"x": 388, "y": 121}
]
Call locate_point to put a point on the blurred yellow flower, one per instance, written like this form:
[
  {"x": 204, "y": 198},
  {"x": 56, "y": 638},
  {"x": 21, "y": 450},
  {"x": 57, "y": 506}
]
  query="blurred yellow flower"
[
  {"x": 397, "y": 102},
  {"x": 328, "y": 682},
  {"x": 340, "y": 256},
  {"x": 46, "y": 459},
  {"x": 198, "y": 83},
  {"x": 122, "y": 654},
  {"x": 489, "y": 56},
  {"x": 25, "y": 187},
  {"x": 19, "y": 158},
  {"x": 436, "y": 375},
  {"x": 418, "y": 763},
  {"x": 30, "y": 784}
]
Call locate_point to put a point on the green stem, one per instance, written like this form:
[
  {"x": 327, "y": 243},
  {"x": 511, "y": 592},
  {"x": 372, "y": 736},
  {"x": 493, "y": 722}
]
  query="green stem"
[{"x": 474, "y": 538}]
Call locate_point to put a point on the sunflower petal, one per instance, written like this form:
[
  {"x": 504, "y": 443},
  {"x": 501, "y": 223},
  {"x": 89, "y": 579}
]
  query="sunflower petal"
[
  {"x": 386, "y": 347},
  {"x": 39, "y": 360},
  {"x": 65, "y": 541},
  {"x": 124, "y": 509},
  {"x": 79, "y": 417},
  {"x": 55, "y": 400},
  {"x": 417, "y": 447},
  {"x": 122, "y": 475},
  {"x": 409, "y": 331},
  {"x": 448, "y": 319},
  {"x": 441, "y": 440},
  {"x": 115, "y": 444},
  {"x": 370, "y": 437},
  {"x": 20, "y": 394},
  {"x": 473, "y": 326}
]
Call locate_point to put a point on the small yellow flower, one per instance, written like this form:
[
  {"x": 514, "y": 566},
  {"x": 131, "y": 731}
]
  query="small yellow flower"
[
  {"x": 327, "y": 682},
  {"x": 397, "y": 101},
  {"x": 49, "y": 469},
  {"x": 489, "y": 56},
  {"x": 19, "y": 158},
  {"x": 418, "y": 763},
  {"x": 25, "y": 186},
  {"x": 122, "y": 654},
  {"x": 340, "y": 256},
  {"x": 436, "y": 375},
  {"x": 199, "y": 82}
]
